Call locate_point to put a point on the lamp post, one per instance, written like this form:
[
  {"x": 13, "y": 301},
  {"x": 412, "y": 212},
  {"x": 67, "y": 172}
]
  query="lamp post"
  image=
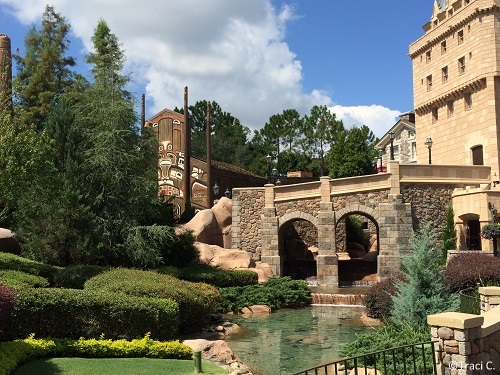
[
  {"x": 269, "y": 161},
  {"x": 216, "y": 190},
  {"x": 428, "y": 144},
  {"x": 391, "y": 136},
  {"x": 227, "y": 193}
]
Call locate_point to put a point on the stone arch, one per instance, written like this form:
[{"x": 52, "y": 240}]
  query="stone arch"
[
  {"x": 298, "y": 244},
  {"x": 297, "y": 215},
  {"x": 357, "y": 260}
]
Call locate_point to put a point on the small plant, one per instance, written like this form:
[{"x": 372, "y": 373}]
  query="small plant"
[
  {"x": 490, "y": 231},
  {"x": 378, "y": 299}
]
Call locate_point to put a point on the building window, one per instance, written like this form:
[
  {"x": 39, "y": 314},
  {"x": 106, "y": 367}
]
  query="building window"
[
  {"x": 443, "y": 47},
  {"x": 428, "y": 56},
  {"x": 444, "y": 74},
  {"x": 461, "y": 65},
  {"x": 396, "y": 152},
  {"x": 450, "y": 108},
  {"x": 435, "y": 115},
  {"x": 414, "y": 151},
  {"x": 477, "y": 155},
  {"x": 460, "y": 37},
  {"x": 468, "y": 101},
  {"x": 429, "y": 83}
]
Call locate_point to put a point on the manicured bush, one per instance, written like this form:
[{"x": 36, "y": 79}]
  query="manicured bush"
[
  {"x": 196, "y": 300},
  {"x": 204, "y": 273},
  {"x": 15, "y": 352},
  {"x": 7, "y": 302},
  {"x": 472, "y": 270},
  {"x": 22, "y": 279},
  {"x": 17, "y": 263},
  {"x": 179, "y": 252},
  {"x": 74, "y": 277},
  {"x": 276, "y": 293},
  {"x": 378, "y": 299},
  {"x": 73, "y": 313}
]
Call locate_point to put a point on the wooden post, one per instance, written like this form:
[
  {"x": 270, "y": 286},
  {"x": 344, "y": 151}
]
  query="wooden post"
[
  {"x": 187, "y": 152},
  {"x": 210, "y": 197}
]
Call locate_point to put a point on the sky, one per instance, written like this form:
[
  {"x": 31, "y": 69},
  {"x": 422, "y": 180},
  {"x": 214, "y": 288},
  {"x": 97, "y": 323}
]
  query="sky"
[{"x": 255, "y": 58}]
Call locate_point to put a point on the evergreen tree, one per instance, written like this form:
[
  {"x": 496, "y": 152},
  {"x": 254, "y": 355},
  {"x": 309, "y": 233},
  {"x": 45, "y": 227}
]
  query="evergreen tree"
[
  {"x": 448, "y": 233},
  {"x": 45, "y": 70},
  {"x": 353, "y": 153},
  {"x": 120, "y": 177},
  {"x": 424, "y": 292}
]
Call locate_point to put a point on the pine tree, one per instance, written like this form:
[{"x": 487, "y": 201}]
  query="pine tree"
[
  {"x": 448, "y": 234},
  {"x": 424, "y": 292}
]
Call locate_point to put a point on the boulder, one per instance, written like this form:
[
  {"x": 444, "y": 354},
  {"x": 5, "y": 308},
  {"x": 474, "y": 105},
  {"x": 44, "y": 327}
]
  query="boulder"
[
  {"x": 225, "y": 259},
  {"x": 370, "y": 256},
  {"x": 9, "y": 242},
  {"x": 223, "y": 212},
  {"x": 362, "y": 371},
  {"x": 256, "y": 310},
  {"x": 214, "y": 351},
  {"x": 263, "y": 270},
  {"x": 373, "y": 243},
  {"x": 355, "y": 250}
]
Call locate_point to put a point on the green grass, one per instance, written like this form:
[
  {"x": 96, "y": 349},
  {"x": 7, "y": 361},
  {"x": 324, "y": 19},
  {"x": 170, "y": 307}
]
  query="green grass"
[{"x": 112, "y": 366}]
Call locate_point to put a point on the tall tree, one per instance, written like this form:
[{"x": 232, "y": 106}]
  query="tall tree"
[
  {"x": 353, "y": 153},
  {"x": 321, "y": 130},
  {"x": 120, "y": 178},
  {"x": 45, "y": 70}
]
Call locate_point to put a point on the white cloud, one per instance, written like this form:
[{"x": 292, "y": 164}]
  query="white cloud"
[
  {"x": 230, "y": 51},
  {"x": 378, "y": 118}
]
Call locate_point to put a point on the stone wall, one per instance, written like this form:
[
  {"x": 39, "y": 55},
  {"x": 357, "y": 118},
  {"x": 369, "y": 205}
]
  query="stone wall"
[
  {"x": 428, "y": 203},
  {"x": 310, "y": 206},
  {"x": 466, "y": 343},
  {"x": 248, "y": 208}
]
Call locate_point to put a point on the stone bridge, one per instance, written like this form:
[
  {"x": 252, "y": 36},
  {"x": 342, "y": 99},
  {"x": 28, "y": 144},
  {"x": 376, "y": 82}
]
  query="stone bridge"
[{"x": 393, "y": 203}]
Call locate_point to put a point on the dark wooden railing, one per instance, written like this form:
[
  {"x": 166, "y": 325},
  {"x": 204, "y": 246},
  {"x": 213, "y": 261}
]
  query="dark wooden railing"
[{"x": 413, "y": 359}]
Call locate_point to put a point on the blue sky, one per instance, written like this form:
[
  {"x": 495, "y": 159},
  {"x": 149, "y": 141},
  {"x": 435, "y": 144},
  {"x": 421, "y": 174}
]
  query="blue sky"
[{"x": 255, "y": 58}]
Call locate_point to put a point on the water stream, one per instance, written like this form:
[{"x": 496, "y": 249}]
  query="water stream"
[{"x": 290, "y": 340}]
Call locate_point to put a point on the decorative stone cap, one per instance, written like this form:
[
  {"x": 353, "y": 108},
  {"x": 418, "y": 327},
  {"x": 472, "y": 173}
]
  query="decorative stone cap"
[
  {"x": 455, "y": 320},
  {"x": 489, "y": 290}
]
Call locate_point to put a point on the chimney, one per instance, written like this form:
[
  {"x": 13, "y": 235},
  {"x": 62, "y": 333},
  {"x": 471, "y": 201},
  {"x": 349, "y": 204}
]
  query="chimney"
[{"x": 408, "y": 116}]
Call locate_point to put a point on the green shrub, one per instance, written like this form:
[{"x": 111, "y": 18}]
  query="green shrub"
[
  {"x": 7, "y": 302},
  {"x": 390, "y": 337},
  {"x": 22, "y": 279},
  {"x": 73, "y": 313},
  {"x": 204, "y": 273},
  {"x": 169, "y": 270},
  {"x": 378, "y": 299},
  {"x": 74, "y": 277},
  {"x": 196, "y": 300},
  {"x": 276, "y": 293},
  {"x": 180, "y": 252},
  {"x": 17, "y": 263},
  {"x": 15, "y": 352}
]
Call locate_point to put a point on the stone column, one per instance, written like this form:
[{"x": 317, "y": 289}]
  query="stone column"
[
  {"x": 456, "y": 350},
  {"x": 327, "y": 259},
  {"x": 270, "y": 244},
  {"x": 490, "y": 297},
  {"x": 395, "y": 230}
]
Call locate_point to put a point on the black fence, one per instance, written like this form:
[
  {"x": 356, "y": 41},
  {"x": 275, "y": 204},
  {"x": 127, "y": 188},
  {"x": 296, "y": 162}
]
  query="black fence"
[{"x": 413, "y": 359}]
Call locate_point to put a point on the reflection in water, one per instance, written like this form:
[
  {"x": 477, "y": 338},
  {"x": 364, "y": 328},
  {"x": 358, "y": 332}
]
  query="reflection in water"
[{"x": 290, "y": 340}]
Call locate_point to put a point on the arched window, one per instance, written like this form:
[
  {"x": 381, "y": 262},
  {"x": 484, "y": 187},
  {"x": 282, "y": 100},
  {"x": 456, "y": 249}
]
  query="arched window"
[{"x": 477, "y": 155}]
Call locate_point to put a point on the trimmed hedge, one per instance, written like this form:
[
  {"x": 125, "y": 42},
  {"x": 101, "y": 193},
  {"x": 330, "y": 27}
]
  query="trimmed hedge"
[
  {"x": 277, "y": 293},
  {"x": 203, "y": 273},
  {"x": 72, "y": 313},
  {"x": 196, "y": 300},
  {"x": 17, "y": 263},
  {"x": 7, "y": 302},
  {"x": 22, "y": 279},
  {"x": 472, "y": 269},
  {"x": 74, "y": 277},
  {"x": 16, "y": 352}
]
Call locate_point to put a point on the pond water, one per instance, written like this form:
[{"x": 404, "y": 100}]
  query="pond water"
[{"x": 289, "y": 340}]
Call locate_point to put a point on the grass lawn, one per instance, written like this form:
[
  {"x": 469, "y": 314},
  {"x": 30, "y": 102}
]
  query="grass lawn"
[{"x": 118, "y": 366}]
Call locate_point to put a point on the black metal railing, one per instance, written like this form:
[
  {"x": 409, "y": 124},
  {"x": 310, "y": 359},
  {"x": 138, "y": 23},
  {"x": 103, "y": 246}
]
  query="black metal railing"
[
  {"x": 412, "y": 359},
  {"x": 470, "y": 301}
]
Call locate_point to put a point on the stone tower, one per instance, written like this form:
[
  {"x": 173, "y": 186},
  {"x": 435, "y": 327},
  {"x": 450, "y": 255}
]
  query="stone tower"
[
  {"x": 5, "y": 72},
  {"x": 456, "y": 84}
]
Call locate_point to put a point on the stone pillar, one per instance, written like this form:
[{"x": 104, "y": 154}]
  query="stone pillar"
[
  {"x": 327, "y": 260},
  {"x": 393, "y": 169},
  {"x": 270, "y": 238},
  {"x": 235, "y": 221},
  {"x": 490, "y": 297},
  {"x": 456, "y": 350},
  {"x": 395, "y": 230}
]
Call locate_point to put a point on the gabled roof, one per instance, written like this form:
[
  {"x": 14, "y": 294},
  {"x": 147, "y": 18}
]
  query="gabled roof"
[
  {"x": 166, "y": 113},
  {"x": 396, "y": 129}
]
